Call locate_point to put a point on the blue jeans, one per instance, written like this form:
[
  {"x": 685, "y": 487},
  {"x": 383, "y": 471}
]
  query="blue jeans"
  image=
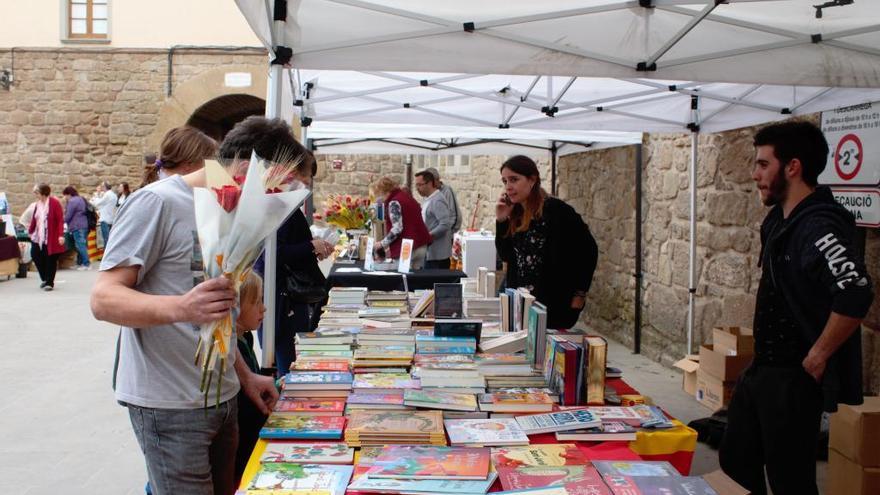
[
  {"x": 105, "y": 232},
  {"x": 188, "y": 451},
  {"x": 80, "y": 240}
]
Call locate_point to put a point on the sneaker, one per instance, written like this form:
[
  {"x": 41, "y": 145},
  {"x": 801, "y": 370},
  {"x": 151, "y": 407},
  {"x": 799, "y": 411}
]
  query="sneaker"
[
  {"x": 48, "y": 288},
  {"x": 43, "y": 285}
]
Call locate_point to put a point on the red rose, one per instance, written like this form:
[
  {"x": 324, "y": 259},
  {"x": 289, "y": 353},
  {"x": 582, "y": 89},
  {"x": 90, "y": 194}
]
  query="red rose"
[{"x": 228, "y": 196}]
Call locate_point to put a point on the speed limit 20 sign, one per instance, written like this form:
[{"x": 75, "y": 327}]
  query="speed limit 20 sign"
[{"x": 853, "y": 135}]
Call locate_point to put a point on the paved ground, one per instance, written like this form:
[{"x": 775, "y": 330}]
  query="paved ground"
[{"x": 62, "y": 432}]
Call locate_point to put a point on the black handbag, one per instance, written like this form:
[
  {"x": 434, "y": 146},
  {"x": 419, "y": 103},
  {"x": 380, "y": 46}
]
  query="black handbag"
[{"x": 305, "y": 284}]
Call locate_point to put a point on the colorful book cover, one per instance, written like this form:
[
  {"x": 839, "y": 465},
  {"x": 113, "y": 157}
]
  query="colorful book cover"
[
  {"x": 363, "y": 460},
  {"x": 396, "y": 422},
  {"x": 308, "y": 378},
  {"x": 424, "y": 360},
  {"x": 376, "y": 399},
  {"x": 294, "y": 427},
  {"x": 488, "y": 432},
  {"x": 516, "y": 399},
  {"x": 558, "y": 421},
  {"x": 635, "y": 468},
  {"x": 576, "y": 479},
  {"x": 308, "y": 453},
  {"x": 500, "y": 359},
  {"x": 391, "y": 485},
  {"x": 310, "y": 407},
  {"x": 617, "y": 413},
  {"x": 287, "y": 478},
  {"x": 431, "y": 462},
  {"x": 339, "y": 366},
  {"x": 400, "y": 381},
  {"x": 330, "y": 354},
  {"x": 672, "y": 485},
  {"x": 440, "y": 400},
  {"x": 609, "y": 430},
  {"x": 548, "y": 455}
]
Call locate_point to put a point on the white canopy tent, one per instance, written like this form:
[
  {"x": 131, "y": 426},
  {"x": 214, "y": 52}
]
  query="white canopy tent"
[{"x": 560, "y": 66}]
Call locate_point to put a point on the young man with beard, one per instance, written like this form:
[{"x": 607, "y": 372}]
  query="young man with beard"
[{"x": 813, "y": 294}]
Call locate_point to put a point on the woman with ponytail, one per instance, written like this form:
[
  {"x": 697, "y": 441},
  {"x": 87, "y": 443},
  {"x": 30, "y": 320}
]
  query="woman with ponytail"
[{"x": 546, "y": 244}]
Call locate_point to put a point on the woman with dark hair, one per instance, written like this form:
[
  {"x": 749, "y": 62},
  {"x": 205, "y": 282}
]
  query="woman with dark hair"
[
  {"x": 122, "y": 194},
  {"x": 77, "y": 225},
  {"x": 46, "y": 230},
  {"x": 545, "y": 242},
  {"x": 184, "y": 149}
]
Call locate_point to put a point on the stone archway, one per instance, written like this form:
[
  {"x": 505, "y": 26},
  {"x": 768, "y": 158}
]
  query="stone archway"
[
  {"x": 216, "y": 117},
  {"x": 193, "y": 94}
]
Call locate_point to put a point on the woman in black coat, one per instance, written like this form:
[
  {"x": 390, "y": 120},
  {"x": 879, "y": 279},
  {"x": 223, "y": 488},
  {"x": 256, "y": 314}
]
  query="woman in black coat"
[{"x": 545, "y": 242}]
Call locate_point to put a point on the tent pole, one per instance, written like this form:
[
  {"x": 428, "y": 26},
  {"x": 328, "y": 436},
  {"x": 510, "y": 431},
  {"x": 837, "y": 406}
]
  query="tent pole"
[
  {"x": 273, "y": 110},
  {"x": 553, "y": 150},
  {"x": 637, "y": 302},
  {"x": 692, "y": 251}
]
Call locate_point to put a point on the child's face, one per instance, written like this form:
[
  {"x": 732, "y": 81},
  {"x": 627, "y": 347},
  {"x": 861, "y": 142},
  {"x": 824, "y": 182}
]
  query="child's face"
[{"x": 251, "y": 315}]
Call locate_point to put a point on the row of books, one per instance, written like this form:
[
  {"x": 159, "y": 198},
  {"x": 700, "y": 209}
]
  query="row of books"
[{"x": 557, "y": 469}]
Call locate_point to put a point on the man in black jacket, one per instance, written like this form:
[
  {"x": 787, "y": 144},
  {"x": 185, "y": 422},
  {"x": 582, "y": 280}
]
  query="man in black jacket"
[{"x": 813, "y": 294}]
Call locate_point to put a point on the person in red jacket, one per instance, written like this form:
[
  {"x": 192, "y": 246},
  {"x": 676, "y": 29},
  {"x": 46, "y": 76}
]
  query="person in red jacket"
[
  {"x": 47, "y": 235},
  {"x": 403, "y": 220}
]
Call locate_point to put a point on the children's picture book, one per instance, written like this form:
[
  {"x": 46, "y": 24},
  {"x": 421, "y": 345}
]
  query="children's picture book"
[
  {"x": 558, "y": 421},
  {"x": 309, "y": 380},
  {"x": 396, "y": 422},
  {"x": 635, "y": 468},
  {"x": 303, "y": 427},
  {"x": 431, "y": 462},
  {"x": 383, "y": 382},
  {"x": 308, "y": 453},
  {"x": 329, "y": 365},
  {"x": 376, "y": 401},
  {"x": 608, "y": 431},
  {"x": 420, "y": 487},
  {"x": 577, "y": 479},
  {"x": 546, "y": 455},
  {"x": 670, "y": 485},
  {"x": 440, "y": 400},
  {"x": 284, "y": 478},
  {"x": 485, "y": 432},
  {"x": 304, "y": 407},
  {"x": 515, "y": 402}
]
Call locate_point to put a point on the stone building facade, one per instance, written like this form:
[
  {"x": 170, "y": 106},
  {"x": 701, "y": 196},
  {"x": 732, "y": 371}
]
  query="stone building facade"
[{"x": 79, "y": 116}]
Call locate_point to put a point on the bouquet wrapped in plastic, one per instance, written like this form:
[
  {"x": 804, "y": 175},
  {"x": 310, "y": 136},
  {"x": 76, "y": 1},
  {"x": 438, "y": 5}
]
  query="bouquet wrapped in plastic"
[{"x": 235, "y": 212}]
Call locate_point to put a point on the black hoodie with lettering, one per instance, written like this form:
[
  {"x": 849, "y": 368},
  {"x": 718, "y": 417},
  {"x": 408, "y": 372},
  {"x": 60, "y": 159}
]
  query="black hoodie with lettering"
[{"x": 813, "y": 265}]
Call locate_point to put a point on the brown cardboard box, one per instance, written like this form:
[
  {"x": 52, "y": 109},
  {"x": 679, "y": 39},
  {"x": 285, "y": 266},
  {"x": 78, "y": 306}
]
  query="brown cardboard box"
[
  {"x": 855, "y": 432},
  {"x": 725, "y": 368},
  {"x": 712, "y": 392},
  {"x": 847, "y": 477},
  {"x": 733, "y": 341},
  {"x": 722, "y": 484},
  {"x": 689, "y": 366}
]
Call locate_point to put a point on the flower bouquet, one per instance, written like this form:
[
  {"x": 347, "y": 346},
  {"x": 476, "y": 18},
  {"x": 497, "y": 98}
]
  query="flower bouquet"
[
  {"x": 346, "y": 212},
  {"x": 237, "y": 210}
]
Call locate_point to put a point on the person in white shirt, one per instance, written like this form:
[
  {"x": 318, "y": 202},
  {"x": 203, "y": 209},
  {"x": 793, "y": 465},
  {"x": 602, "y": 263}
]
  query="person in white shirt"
[{"x": 105, "y": 203}]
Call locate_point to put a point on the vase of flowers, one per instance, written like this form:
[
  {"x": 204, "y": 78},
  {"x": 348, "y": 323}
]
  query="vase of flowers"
[{"x": 346, "y": 212}]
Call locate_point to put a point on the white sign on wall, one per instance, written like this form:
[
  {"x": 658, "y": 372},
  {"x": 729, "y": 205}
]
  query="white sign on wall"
[
  {"x": 863, "y": 203},
  {"x": 853, "y": 135},
  {"x": 237, "y": 79}
]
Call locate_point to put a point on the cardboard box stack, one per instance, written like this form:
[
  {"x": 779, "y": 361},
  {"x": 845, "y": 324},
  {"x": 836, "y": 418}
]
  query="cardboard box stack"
[
  {"x": 853, "y": 454},
  {"x": 721, "y": 363}
]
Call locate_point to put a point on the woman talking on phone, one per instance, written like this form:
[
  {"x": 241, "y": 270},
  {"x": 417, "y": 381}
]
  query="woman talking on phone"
[{"x": 545, "y": 242}]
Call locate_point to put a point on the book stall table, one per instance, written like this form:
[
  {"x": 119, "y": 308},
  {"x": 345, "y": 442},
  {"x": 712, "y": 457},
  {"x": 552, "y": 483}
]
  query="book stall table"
[
  {"x": 341, "y": 275},
  {"x": 9, "y": 256},
  {"x": 675, "y": 445}
]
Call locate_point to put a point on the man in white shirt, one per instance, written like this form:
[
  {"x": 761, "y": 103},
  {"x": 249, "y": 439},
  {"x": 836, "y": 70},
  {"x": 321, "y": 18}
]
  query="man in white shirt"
[
  {"x": 439, "y": 217},
  {"x": 105, "y": 203}
]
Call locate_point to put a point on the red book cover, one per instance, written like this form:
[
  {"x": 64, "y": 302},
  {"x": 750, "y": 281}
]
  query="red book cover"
[
  {"x": 575, "y": 479},
  {"x": 565, "y": 372},
  {"x": 310, "y": 407}
]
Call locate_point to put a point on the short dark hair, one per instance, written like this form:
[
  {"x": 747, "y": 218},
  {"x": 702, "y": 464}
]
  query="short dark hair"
[
  {"x": 272, "y": 139},
  {"x": 797, "y": 139},
  {"x": 43, "y": 189},
  {"x": 427, "y": 177},
  {"x": 70, "y": 191}
]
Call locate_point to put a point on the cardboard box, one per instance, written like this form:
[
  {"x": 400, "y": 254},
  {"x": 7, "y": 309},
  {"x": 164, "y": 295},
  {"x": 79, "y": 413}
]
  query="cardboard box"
[
  {"x": 725, "y": 368},
  {"x": 689, "y": 366},
  {"x": 847, "y": 477},
  {"x": 712, "y": 392},
  {"x": 855, "y": 432},
  {"x": 733, "y": 341},
  {"x": 722, "y": 484}
]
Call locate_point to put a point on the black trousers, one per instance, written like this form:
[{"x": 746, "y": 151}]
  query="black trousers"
[
  {"x": 46, "y": 264},
  {"x": 442, "y": 264},
  {"x": 773, "y": 422}
]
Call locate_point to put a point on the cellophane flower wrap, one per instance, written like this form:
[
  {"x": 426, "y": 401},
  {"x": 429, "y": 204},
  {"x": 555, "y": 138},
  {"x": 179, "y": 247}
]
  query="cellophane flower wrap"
[
  {"x": 345, "y": 211},
  {"x": 235, "y": 213}
]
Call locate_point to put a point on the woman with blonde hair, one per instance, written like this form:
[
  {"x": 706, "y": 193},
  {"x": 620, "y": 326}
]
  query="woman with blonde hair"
[
  {"x": 403, "y": 220},
  {"x": 184, "y": 149},
  {"x": 545, "y": 242}
]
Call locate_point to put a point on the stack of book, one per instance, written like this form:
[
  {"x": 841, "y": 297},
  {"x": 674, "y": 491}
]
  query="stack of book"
[
  {"x": 429, "y": 344},
  {"x": 505, "y": 343},
  {"x": 325, "y": 345},
  {"x": 503, "y": 364},
  {"x": 461, "y": 384},
  {"x": 426, "y": 469},
  {"x": 310, "y": 384},
  {"x": 389, "y": 402},
  {"x": 625, "y": 477},
  {"x": 485, "y": 432},
  {"x": 383, "y": 383},
  {"x": 308, "y": 453},
  {"x": 486, "y": 309},
  {"x": 515, "y": 403},
  {"x": 445, "y": 366},
  {"x": 394, "y": 299},
  {"x": 575, "y": 419},
  {"x": 431, "y": 399},
  {"x": 303, "y": 427},
  {"x": 347, "y": 295},
  {"x": 382, "y": 427},
  {"x": 309, "y": 407},
  {"x": 391, "y": 347}
]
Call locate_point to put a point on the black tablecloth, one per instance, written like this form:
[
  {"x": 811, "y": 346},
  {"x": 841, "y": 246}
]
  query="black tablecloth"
[{"x": 419, "y": 279}]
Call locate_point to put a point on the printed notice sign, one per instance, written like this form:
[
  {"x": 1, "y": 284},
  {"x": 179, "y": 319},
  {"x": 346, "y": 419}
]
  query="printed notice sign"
[
  {"x": 406, "y": 249},
  {"x": 853, "y": 135},
  {"x": 368, "y": 255},
  {"x": 863, "y": 203}
]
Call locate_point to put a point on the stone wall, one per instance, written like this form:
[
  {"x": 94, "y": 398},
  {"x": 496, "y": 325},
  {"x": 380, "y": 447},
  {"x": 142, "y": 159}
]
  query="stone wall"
[{"x": 80, "y": 116}]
